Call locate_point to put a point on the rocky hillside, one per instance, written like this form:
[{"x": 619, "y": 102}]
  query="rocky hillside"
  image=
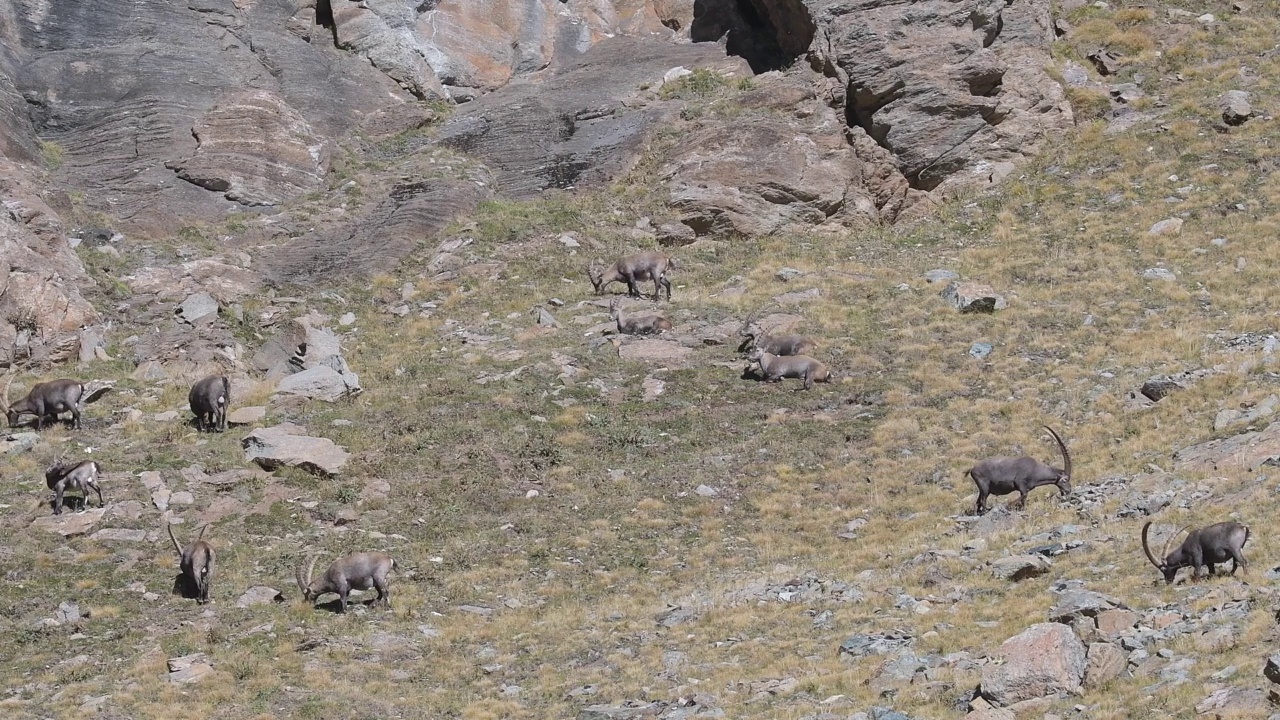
[{"x": 376, "y": 218}]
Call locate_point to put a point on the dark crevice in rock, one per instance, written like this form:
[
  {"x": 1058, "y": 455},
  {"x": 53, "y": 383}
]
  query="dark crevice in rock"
[
  {"x": 993, "y": 30},
  {"x": 987, "y": 84},
  {"x": 768, "y": 34},
  {"x": 324, "y": 18}
]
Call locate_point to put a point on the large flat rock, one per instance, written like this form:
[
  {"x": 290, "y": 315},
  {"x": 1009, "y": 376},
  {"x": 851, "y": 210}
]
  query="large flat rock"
[{"x": 286, "y": 445}]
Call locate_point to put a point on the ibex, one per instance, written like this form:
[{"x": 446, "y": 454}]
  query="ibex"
[
  {"x": 81, "y": 477},
  {"x": 358, "y": 571},
  {"x": 1204, "y": 547},
  {"x": 46, "y": 399},
  {"x": 633, "y": 269},
  {"x": 209, "y": 401},
  {"x": 637, "y": 324},
  {"x": 756, "y": 339},
  {"x": 196, "y": 561},
  {"x": 1005, "y": 475},
  {"x": 776, "y": 367}
]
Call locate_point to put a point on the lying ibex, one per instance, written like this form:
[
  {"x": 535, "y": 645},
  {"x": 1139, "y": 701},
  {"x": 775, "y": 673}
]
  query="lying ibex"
[
  {"x": 80, "y": 477},
  {"x": 196, "y": 561},
  {"x": 209, "y": 400},
  {"x": 46, "y": 400},
  {"x": 1005, "y": 475},
  {"x": 359, "y": 571},
  {"x": 637, "y": 324},
  {"x": 1204, "y": 547},
  {"x": 756, "y": 339},
  {"x": 776, "y": 367},
  {"x": 633, "y": 269}
]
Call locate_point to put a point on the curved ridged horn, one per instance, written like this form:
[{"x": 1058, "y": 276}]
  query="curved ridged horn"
[
  {"x": 1147, "y": 549},
  {"x": 1169, "y": 543},
  {"x": 311, "y": 568},
  {"x": 4, "y": 395},
  {"x": 1066, "y": 454},
  {"x": 178, "y": 548},
  {"x": 297, "y": 574}
]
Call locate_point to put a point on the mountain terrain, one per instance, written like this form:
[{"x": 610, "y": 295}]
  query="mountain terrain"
[{"x": 377, "y": 218}]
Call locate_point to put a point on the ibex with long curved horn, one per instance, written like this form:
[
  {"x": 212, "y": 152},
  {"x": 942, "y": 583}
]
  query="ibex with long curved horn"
[
  {"x": 756, "y": 339},
  {"x": 1205, "y": 547},
  {"x": 632, "y": 269},
  {"x": 1005, "y": 475},
  {"x": 44, "y": 400},
  {"x": 196, "y": 561},
  {"x": 359, "y": 571}
]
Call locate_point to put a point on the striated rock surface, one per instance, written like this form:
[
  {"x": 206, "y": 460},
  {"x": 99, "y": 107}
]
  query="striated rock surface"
[
  {"x": 256, "y": 150},
  {"x": 1042, "y": 660}
]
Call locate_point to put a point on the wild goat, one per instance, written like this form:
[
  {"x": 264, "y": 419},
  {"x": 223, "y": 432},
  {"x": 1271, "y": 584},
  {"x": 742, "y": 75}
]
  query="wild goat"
[
  {"x": 776, "y": 367},
  {"x": 209, "y": 400},
  {"x": 637, "y": 324},
  {"x": 756, "y": 339},
  {"x": 196, "y": 561},
  {"x": 359, "y": 571},
  {"x": 633, "y": 269},
  {"x": 45, "y": 400},
  {"x": 81, "y": 477},
  {"x": 1204, "y": 547},
  {"x": 1004, "y": 475}
]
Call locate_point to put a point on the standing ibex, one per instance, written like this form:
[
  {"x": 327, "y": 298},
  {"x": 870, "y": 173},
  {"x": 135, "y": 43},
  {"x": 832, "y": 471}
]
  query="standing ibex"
[
  {"x": 1004, "y": 475},
  {"x": 45, "y": 400},
  {"x": 196, "y": 561},
  {"x": 756, "y": 339},
  {"x": 637, "y": 324},
  {"x": 209, "y": 400},
  {"x": 81, "y": 477},
  {"x": 1204, "y": 547},
  {"x": 776, "y": 367},
  {"x": 359, "y": 571},
  {"x": 633, "y": 269}
]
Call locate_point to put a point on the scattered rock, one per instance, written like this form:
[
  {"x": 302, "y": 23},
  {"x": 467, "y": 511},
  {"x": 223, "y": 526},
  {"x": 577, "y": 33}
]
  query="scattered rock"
[
  {"x": 167, "y": 416},
  {"x": 801, "y": 296},
  {"x": 259, "y": 595},
  {"x": 980, "y": 350},
  {"x": 198, "y": 308},
  {"x": 1233, "y": 702},
  {"x": 1020, "y": 567},
  {"x": 247, "y": 415},
  {"x": 318, "y": 383},
  {"x": 15, "y": 443},
  {"x": 864, "y": 644},
  {"x": 67, "y": 612},
  {"x": 1171, "y": 226},
  {"x": 941, "y": 275},
  {"x": 1104, "y": 663},
  {"x": 70, "y": 524},
  {"x": 1236, "y": 109},
  {"x": 285, "y": 445},
  {"x": 787, "y": 274},
  {"x": 652, "y": 387},
  {"x": 1159, "y": 273},
  {"x": 119, "y": 535},
  {"x": 347, "y": 319},
  {"x": 706, "y": 491},
  {"x": 1246, "y": 451},
  {"x": 1105, "y": 61},
  {"x": 649, "y": 350},
  {"x": 1229, "y": 416},
  {"x": 546, "y": 319},
  {"x": 1081, "y": 603},
  {"x": 1215, "y": 640},
  {"x": 620, "y": 712},
  {"x": 676, "y": 235},
  {"x": 189, "y": 668},
  {"x": 1114, "y": 623},
  {"x": 1042, "y": 660},
  {"x": 973, "y": 297},
  {"x": 1157, "y": 389}
]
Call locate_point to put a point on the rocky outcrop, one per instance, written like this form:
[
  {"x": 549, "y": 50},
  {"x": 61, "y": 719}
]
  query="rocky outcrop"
[
  {"x": 287, "y": 446},
  {"x": 256, "y": 150},
  {"x": 1042, "y": 660}
]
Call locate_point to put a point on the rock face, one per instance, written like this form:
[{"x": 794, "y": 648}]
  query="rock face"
[
  {"x": 973, "y": 297},
  {"x": 1042, "y": 660},
  {"x": 255, "y": 149},
  {"x": 1244, "y": 451}
]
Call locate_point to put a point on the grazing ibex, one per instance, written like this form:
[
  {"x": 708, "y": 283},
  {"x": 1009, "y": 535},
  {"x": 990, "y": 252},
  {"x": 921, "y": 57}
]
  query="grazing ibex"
[
  {"x": 1005, "y": 475},
  {"x": 776, "y": 367},
  {"x": 756, "y": 339},
  {"x": 637, "y": 324},
  {"x": 46, "y": 399},
  {"x": 81, "y": 477},
  {"x": 358, "y": 571},
  {"x": 1204, "y": 547},
  {"x": 209, "y": 401},
  {"x": 196, "y": 561},
  {"x": 632, "y": 269}
]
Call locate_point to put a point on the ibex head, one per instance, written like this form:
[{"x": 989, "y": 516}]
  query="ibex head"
[
  {"x": 596, "y": 275},
  {"x": 304, "y": 582},
  {"x": 1170, "y": 566}
]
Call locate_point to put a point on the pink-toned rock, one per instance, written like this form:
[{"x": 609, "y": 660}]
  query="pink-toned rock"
[
  {"x": 1042, "y": 660},
  {"x": 1113, "y": 623},
  {"x": 973, "y": 297},
  {"x": 1104, "y": 663}
]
